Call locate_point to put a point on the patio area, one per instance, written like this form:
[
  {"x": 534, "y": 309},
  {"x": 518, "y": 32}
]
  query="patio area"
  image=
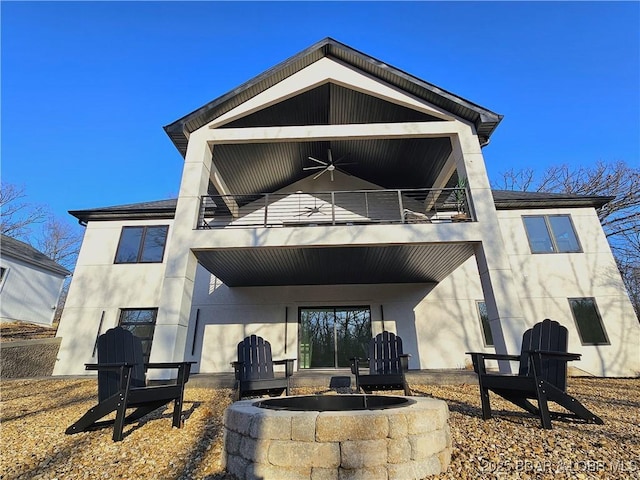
[{"x": 35, "y": 414}]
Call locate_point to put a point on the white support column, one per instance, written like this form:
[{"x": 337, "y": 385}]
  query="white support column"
[
  {"x": 169, "y": 340},
  {"x": 497, "y": 279}
]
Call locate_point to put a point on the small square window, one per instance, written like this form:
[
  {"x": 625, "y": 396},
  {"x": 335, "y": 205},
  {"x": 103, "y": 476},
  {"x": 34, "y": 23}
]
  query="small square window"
[
  {"x": 142, "y": 244},
  {"x": 551, "y": 234},
  {"x": 487, "y": 336},
  {"x": 588, "y": 321}
]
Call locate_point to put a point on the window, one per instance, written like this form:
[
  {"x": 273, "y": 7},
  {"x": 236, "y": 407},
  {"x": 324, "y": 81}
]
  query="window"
[
  {"x": 141, "y": 322},
  {"x": 3, "y": 276},
  {"x": 142, "y": 244},
  {"x": 487, "y": 336},
  {"x": 588, "y": 320},
  {"x": 551, "y": 234}
]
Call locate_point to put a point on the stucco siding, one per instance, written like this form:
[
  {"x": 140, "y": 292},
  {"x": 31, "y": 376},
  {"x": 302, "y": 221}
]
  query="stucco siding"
[
  {"x": 437, "y": 323},
  {"x": 100, "y": 289},
  {"x": 546, "y": 282}
]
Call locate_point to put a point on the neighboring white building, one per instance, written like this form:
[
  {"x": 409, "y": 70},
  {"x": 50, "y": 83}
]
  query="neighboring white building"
[
  {"x": 318, "y": 206},
  {"x": 30, "y": 283}
]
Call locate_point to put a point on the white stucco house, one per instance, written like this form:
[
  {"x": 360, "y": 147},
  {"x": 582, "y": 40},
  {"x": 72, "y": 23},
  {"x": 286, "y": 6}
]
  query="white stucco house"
[
  {"x": 30, "y": 283},
  {"x": 327, "y": 199}
]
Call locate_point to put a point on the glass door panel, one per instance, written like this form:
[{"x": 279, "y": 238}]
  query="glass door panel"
[
  {"x": 353, "y": 334},
  {"x": 330, "y": 336}
]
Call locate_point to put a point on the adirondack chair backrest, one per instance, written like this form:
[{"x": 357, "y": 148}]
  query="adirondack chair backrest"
[
  {"x": 384, "y": 354},
  {"x": 119, "y": 345},
  {"x": 254, "y": 353},
  {"x": 547, "y": 335}
]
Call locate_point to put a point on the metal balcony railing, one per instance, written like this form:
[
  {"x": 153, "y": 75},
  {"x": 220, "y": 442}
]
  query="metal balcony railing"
[{"x": 355, "y": 207}]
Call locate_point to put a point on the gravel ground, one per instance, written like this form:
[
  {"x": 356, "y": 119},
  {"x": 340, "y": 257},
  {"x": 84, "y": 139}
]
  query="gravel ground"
[{"x": 35, "y": 414}]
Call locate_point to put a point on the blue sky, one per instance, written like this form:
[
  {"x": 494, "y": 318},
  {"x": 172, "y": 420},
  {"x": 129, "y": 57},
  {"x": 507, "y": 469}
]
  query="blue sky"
[{"x": 87, "y": 86}]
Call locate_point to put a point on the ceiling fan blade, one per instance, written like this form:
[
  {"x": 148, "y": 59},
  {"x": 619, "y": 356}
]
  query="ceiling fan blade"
[
  {"x": 345, "y": 163},
  {"x": 331, "y": 175},
  {"x": 320, "y": 173},
  {"x": 319, "y": 161},
  {"x": 317, "y": 167},
  {"x": 329, "y": 156}
]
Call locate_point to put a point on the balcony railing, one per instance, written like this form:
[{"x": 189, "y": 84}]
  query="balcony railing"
[{"x": 335, "y": 208}]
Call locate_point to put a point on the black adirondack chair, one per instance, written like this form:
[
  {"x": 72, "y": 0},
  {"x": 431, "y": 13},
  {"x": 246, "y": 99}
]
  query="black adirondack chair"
[
  {"x": 254, "y": 369},
  {"x": 387, "y": 365},
  {"x": 542, "y": 376},
  {"x": 122, "y": 385}
]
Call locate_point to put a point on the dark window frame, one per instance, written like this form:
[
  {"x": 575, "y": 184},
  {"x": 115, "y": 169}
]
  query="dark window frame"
[
  {"x": 552, "y": 238},
  {"x": 146, "y": 340},
  {"x": 484, "y": 328},
  {"x": 606, "y": 340},
  {"x": 141, "y": 245},
  {"x": 4, "y": 271}
]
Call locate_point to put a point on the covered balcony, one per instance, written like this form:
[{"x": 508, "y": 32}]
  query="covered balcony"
[{"x": 349, "y": 207}]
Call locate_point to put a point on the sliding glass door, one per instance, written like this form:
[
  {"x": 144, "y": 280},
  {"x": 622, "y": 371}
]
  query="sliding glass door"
[{"x": 330, "y": 336}]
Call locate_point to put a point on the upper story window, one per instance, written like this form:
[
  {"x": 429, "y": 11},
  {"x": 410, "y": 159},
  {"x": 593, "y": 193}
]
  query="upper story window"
[
  {"x": 551, "y": 234},
  {"x": 142, "y": 244}
]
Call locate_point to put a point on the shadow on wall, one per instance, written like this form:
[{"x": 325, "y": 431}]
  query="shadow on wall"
[{"x": 222, "y": 316}]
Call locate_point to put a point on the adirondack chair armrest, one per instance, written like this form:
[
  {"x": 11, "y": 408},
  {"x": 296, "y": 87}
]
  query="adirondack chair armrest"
[
  {"x": 288, "y": 365},
  {"x": 237, "y": 369},
  {"x": 168, "y": 364},
  {"x": 404, "y": 361},
  {"x": 555, "y": 355},
  {"x": 494, "y": 356},
  {"x": 184, "y": 369},
  {"x": 357, "y": 363},
  {"x": 478, "y": 359},
  {"x": 107, "y": 366}
]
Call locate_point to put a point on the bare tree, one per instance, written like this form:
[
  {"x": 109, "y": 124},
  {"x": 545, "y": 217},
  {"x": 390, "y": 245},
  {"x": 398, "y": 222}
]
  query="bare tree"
[
  {"x": 518, "y": 180},
  {"x": 17, "y": 217},
  {"x": 60, "y": 242},
  {"x": 620, "y": 218},
  {"x": 35, "y": 225}
]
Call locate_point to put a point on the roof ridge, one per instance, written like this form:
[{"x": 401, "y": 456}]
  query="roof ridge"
[{"x": 20, "y": 250}]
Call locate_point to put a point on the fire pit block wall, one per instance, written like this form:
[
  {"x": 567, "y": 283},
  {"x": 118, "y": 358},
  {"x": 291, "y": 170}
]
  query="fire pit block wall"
[{"x": 408, "y": 442}]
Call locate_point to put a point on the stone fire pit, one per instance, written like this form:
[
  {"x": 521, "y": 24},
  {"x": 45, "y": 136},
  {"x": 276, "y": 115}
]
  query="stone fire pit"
[{"x": 336, "y": 437}]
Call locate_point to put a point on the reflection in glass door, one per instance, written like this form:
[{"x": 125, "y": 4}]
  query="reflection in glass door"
[{"x": 330, "y": 336}]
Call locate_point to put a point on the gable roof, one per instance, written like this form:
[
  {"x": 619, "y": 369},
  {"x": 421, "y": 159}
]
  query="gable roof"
[
  {"x": 10, "y": 247},
  {"x": 485, "y": 120},
  {"x": 503, "y": 199}
]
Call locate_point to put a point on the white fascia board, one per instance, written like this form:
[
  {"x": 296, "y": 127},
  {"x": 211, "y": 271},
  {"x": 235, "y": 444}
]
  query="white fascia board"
[
  {"x": 333, "y": 132},
  {"x": 334, "y": 236},
  {"x": 324, "y": 71}
]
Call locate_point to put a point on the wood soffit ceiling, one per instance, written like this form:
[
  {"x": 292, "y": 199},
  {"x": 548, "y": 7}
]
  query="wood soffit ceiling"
[
  {"x": 267, "y": 167},
  {"x": 428, "y": 263}
]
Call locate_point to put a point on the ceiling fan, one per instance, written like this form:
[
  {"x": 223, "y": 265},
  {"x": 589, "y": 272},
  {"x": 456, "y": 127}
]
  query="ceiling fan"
[{"x": 328, "y": 166}]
